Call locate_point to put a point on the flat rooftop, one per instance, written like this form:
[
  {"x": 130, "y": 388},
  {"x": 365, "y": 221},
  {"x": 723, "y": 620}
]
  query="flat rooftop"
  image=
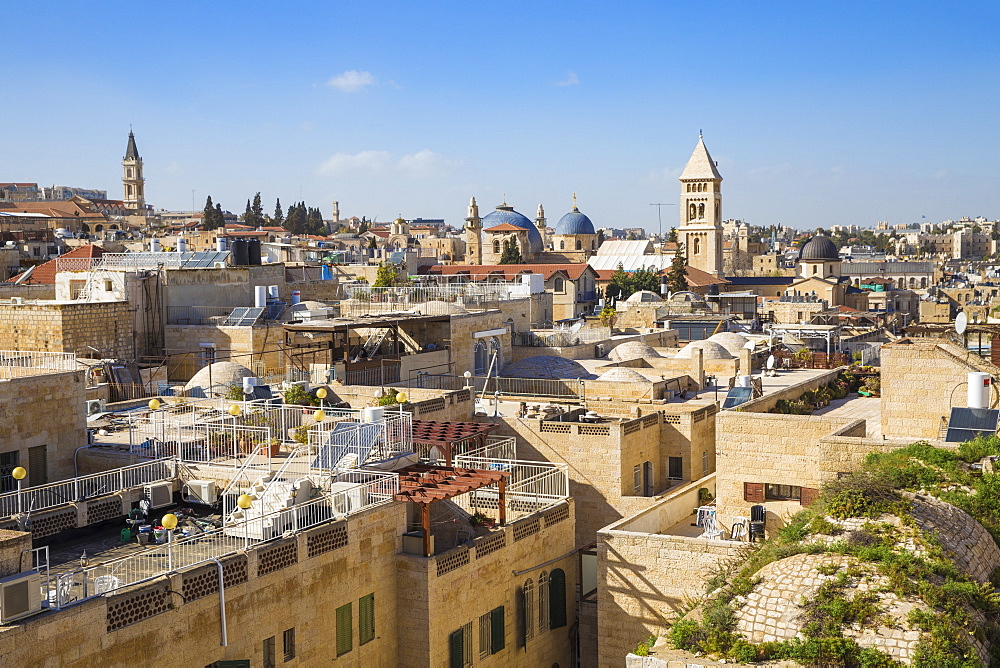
[{"x": 857, "y": 407}]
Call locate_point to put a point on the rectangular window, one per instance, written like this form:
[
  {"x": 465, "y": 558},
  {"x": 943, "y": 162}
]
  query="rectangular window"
[
  {"x": 269, "y": 652},
  {"x": 675, "y": 469},
  {"x": 704, "y": 464},
  {"x": 366, "y": 619},
  {"x": 345, "y": 642},
  {"x": 38, "y": 465},
  {"x": 782, "y": 492},
  {"x": 492, "y": 636},
  {"x": 637, "y": 480},
  {"x": 753, "y": 492},
  {"x": 288, "y": 644},
  {"x": 460, "y": 647}
]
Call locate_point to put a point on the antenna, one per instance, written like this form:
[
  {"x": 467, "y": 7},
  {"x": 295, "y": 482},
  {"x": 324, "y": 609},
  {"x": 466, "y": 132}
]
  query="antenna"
[{"x": 659, "y": 208}]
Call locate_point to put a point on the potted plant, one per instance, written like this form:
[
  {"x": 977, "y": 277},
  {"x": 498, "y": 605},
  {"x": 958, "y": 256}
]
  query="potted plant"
[{"x": 480, "y": 518}]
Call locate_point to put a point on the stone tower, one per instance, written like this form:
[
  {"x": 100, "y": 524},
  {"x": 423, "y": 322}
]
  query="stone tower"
[
  {"x": 473, "y": 235},
  {"x": 701, "y": 211},
  {"x": 135, "y": 185},
  {"x": 542, "y": 225}
]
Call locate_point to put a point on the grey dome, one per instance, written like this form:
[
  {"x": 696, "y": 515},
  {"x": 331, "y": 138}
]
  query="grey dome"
[
  {"x": 546, "y": 366},
  {"x": 506, "y": 214},
  {"x": 622, "y": 374},
  {"x": 710, "y": 351},
  {"x": 574, "y": 222},
  {"x": 731, "y": 341},
  {"x": 644, "y": 296},
  {"x": 632, "y": 350},
  {"x": 819, "y": 248},
  {"x": 218, "y": 378}
]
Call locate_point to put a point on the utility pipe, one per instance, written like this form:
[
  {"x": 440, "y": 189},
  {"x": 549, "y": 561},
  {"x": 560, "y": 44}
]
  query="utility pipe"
[{"x": 222, "y": 602}]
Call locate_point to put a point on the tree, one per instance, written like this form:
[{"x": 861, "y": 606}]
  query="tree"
[
  {"x": 618, "y": 285},
  {"x": 372, "y": 244},
  {"x": 247, "y": 216},
  {"x": 677, "y": 275},
  {"x": 600, "y": 237},
  {"x": 672, "y": 235},
  {"x": 209, "y": 220},
  {"x": 295, "y": 219},
  {"x": 220, "y": 218},
  {"x": 314, "y": 221},
  {"x": 279, "y": 216},
  {"x": 511, "y": 252},
  {"x": 257, "y": 211},
  {"x": 387, "y": 275}
]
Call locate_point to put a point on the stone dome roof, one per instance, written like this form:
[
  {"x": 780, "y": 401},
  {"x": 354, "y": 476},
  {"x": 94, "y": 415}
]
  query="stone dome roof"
[
  {"x": 819, "y": 248},
  {"x": 646, "y": 296},
  {"x": 623, "y": 375},
  {"x": 546, "y": 366},
  {"x": 632, "y": 350},
  {"x": 308, "y": 305},
  {"x": 687, "y": 297},
  {"x": 574, "y": 222},
  {"x": 506, "y": 214},
  {"x": 218, "y": 378},
  {"x": 710, "y": 351},
  {"x": 438, "y": 307},
  {"x": 731, "y": 341}
]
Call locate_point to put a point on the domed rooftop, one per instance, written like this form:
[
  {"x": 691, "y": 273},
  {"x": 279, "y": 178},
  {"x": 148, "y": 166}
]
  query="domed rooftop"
[
  {"x": 623, "y": 375},
  {"x": 574, "y": 222},
  {"x": 819, "y": 248},
  {"x": 632, "y": 350},
  {"x": 218, "y": 378},
  {"x": 731, "y": 341},
  {"x": 685, "y": 297},
  {"x": 710, "y": 351},
  {"x": 439, "y": 307},
  {"x": 546, "y": 366},
  {"x": 506, "y": 214},
  {"x": 308, "y": 305},
  {"x": 644, "y": 296}
]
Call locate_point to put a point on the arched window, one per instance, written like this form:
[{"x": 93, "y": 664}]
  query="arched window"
[
  {"x": 579, "y": 245},
  {"x": 696, "y": 246},
  {"x": 528, "y": 610},
  {"x": 559, "y": 285},
  {"x": 923, "y": 282},
  {"x": 496, "y": 247},
  {"x": 913, "y": 283},
  {"x": 543, "y": 602},
  {"x": 692, "y": 211},
  {"x": 496, "y": 354},
  {"x": 557, "y": 599},
  {"x": 562, "y": 244},
  {"x": 593, "y": 244},
  {"x": 701, "y": 210},
  {"x": 479, "y": 354}
]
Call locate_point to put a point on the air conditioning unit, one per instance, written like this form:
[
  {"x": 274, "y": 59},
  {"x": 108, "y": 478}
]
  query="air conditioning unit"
[
  {"x": 20, "y": 596},
  {"x": 160, "y": 494},
  {"x": 599, "y": 350},
  {"x": 17, "y": 300},
  {"x": 348, "y": 496},
  {"x": 219, "y": 265},
  {"x": 95, "y": 406},
  {"x": 200, "y": 491}
]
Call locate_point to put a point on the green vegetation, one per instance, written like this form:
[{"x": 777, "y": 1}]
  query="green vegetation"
[
  {"x": 387, "y": 275},
  {"x": 389, "y": 398},
  {"x": 642, "y": 649},
  {"x": 957, "y": 607},
  {"x": 298, "y": 396},
  {"x": 511, "y": 252},
  {"x": 624, "y": 284}
]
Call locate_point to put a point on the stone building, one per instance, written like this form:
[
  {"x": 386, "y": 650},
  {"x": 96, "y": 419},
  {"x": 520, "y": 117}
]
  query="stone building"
[{"x": 700, "y": 231}]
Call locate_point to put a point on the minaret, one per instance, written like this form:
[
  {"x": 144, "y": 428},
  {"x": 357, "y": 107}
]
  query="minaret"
[
  {"x": 473, "y": 235},
  {"x": 701, "y": 211},
  {"x": 135, "y": 185},
  {"x": 336, "y": 214},
  {"x": 542, "y": 225}
]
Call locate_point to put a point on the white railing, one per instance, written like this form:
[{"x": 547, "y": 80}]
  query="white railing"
[
  {"x": 43, "y": 497},
  {"x": 23, "y": 363},
  {"x": 531, "y": 487},
  {"x": 497, "y": 447},
  {"x": 196, "y": 443},
  {"x": 373, "y": 488},
  {"x": 362, "y": 299}
]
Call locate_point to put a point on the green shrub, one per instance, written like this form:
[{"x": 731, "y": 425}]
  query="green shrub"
[{"x": 298, "y": 396}]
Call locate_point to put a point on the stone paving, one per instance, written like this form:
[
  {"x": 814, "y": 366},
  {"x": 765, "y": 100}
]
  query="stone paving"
[{"x": 855, "y": 406}]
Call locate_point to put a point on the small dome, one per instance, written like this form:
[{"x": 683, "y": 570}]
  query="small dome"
[
  {"x": 686, "y": 297},
  {"x": 308, "y": 305},
  {"x": 731, "y": 341},
  {"x": 632, "y": 350},
  {"x": 546, "y": 366},
  {"x": 623, "y": 375},
  {"x": 710, "y": 351},
  {"x": 819, "y": 248},
  {"x": 506, "y": 214},
  {"x": 217, "y": 378},
  {"x": 644, "y": 296},
  {"x": 574, "y": 222},
  {"x": 400, "y": 221},
  {"x": 438, "y": 307}
]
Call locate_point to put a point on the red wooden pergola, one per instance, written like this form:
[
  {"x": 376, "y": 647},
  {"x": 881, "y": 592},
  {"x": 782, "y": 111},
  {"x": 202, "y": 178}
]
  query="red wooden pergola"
[
  {"x": 445, "y": 435},
  {"x": 424, "y": 484}
]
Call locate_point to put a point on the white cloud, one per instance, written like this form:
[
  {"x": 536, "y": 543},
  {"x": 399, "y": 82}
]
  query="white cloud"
[
  {"x": 352, "y": 81},
  {"x": 664, "y": 177},
  {"x": 571, "y": 80},
  {"x": 422, "y": 164}
]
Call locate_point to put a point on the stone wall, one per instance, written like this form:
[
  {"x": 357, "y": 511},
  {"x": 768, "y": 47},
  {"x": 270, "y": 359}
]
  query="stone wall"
[
  {"x": 28, "y": 291},
  {"x": 770, "y": 400},
  {"x": 243, "y": 345},
  {"x": 70, "y": 327},
  {"x": 922, "y": 379},
  {"x": 463, "y": 327}
]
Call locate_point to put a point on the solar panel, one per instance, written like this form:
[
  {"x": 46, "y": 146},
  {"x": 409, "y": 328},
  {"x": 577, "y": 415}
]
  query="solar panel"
[
  {"x": 261, "y": 392},
  {"x": 274, "y": 310},
  {"x": 737, "y": 396},
  {"x": 967, "y": 423},
  {"x": 236, "y": 316},
  {"x": 244, "y": 316}
]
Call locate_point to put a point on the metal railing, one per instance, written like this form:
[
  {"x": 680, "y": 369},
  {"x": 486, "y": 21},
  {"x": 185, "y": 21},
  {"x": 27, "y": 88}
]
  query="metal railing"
[
  {"x": 497, "y": 447},
  {"x": 560, "y": 338},
  {"x": 24, "y": 363},
  {"x": 42, "y": 497},
  {"x": 371, "y": 490},
  {"x": 531, "y": 487},
  {"x": 361, "y": 299},
  {"x": 525, "y": 387}
]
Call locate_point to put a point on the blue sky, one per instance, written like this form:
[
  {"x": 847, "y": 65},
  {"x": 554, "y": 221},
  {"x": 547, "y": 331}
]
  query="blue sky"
[{"x": 818, "y": 114}]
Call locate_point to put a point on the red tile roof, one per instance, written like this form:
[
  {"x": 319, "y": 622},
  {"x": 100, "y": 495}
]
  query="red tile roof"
[
  {"x": 506, "y": 227},
  {"x": 45, "y": 273},
  {"x": 572, "y": 271}
]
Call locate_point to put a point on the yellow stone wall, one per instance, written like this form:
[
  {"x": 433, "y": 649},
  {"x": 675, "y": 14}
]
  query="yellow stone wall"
[{"x": 70, "y": 327}]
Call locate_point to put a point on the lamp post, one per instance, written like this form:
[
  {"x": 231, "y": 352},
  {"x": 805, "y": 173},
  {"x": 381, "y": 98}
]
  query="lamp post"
[
  {"x": 235, "y": 411},
  {"x": 467, "y": 375},
  {"x": 154, "y": 405},
  {"x": 169, "y": 522},
  {"x": 321, "y": 394},
  {"x": 18, "y": 474},
  {"x": 401, "y": 399},
  {"x": 243, "y": 502}
]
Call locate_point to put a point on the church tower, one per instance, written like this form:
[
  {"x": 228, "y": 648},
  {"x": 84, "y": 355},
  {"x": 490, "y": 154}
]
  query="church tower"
[
  {"x": 542, "y": 225},
  {"x": 473, "y": 235},
  {"x": 135, "y": 185},
  {"x": 701, "y": 211}
]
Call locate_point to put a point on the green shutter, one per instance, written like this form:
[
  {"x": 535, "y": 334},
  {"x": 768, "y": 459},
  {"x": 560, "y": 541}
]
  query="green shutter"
[
  {"x": 344, "y": 640},
  {"x": 366, "y": 619},
  {"x": 557, "y": 599},
  {"x": 456, "y": 649},
  {"x": 497, "y": 635}
]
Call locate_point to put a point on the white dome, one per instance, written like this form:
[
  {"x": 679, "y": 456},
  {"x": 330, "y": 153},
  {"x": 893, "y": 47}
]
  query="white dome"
[
  {"x": 438, "y": 307},
  {"x": 623, "y": 375},
  {"x": 731, "y": 341},
  {"x": 644, "y": 296},
  {"x": 218, "y": 378},
  {"x": 632, "y": 350},
  {"x": 711, "y": 351}
]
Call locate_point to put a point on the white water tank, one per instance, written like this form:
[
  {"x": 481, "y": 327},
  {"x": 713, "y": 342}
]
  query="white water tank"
[
  {"x": 979, "y": 389},
  {"x": 154, "y": 245},
  {"x": 181, "y": 245},
  {"x": 743, "y": 381},
  {"x": 296, "y": 296},
  {"x": 220, "y": 244},
  {"x": 260, "y": 296},
  {"x": 373, "y": 413},
  {"x": 272, "y": 292}
]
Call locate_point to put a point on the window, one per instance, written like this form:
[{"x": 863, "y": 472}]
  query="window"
[
  {"x": 288, "y": 644},
  {"x": 562, "y": 244},
  {"x": 675, "y": 468},
  {"x": 8, "y": 462},
  {"x": 527, "y": 626},
  {"x": 269, "y": 652},
  {"x": 647, "y": 478},
  {"x": 460, "y": 647},
  {"x": 38, "y": 465},
  {"x": 496, "y": 247},
  {"x": 479, "y": 354},
  {"x": 109, "y": 286},
  {"x": 543, "y": 602},
  {"x": 366, "y": 619},
  {"x": 701, "y": 210},
  {"x": 637, "y": 480},
  {"x": 697, "y": 246},
  {"x": 559, "y": 285},
  {"x": 345, "y": 643},
  {"x": 782, "y": 492},
  {"x": 207, "y": 351},
  {"x": 496, "y": 357},
  {"x": 704, "y": 464},
  {"x": 36, "y": 251},
  {"x": 579, "y": 244},
  {"x": 557, "y": 599},
  {"x": 491, "y": 632}
]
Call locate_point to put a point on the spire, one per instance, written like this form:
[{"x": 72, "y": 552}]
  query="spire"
[
  {"x": 131, "y": 152},
  {"x": 701, "y": 165},
  {"x": 541, "y": 212},
  {"x": 574, "y": 202}
]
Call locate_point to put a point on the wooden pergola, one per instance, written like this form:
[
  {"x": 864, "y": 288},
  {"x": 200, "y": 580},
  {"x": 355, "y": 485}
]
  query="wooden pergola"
[
  {"x": 424, "y": 484},
  {"x": 444, "y": 435}
]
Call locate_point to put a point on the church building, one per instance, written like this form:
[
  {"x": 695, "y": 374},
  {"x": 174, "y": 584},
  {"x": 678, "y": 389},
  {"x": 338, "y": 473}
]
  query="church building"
[
  {"x": 700, "y": 231},
  {"x": 574, "y": 239}
]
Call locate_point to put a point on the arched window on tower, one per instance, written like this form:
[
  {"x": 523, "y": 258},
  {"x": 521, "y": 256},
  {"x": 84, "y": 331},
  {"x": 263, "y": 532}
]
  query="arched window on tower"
[
  {"x": 496, "y": 247},
  {"x": 692, "y": 211},
  {"x": 701, "y": 210},
  {"x": 696, "y": 246},
  {"x": 562, "y": 244},
  {"x": 579, "y": 245}
]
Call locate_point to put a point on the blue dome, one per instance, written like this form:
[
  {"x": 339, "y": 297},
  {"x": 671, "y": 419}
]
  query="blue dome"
[
  {"x": 574, "y": 222},
  {"x": 506, "y": 214}
]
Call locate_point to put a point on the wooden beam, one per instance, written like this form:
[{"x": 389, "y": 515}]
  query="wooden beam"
[
  {"x": 502, "y": 494},
  {"x": 425, "y": 515}
]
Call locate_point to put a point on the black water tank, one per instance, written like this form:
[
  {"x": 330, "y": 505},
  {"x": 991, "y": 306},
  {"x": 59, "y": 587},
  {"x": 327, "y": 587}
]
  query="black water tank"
[
  {"x": 253, "y": 250},
  {"x": 240, "y": 254}
]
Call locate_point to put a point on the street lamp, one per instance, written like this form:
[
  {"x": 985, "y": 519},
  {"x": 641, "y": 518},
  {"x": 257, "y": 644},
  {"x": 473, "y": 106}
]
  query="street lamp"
[
  {"x": 401, "y": 399},
  {"x": 321, "y": 394},
  {"x": 169, "y": 522},
  {"x": 244, "y": 502},
  {"x": 19, "y": 474}
]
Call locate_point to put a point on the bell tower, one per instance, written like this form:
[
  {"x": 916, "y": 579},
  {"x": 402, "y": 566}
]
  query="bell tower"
[
  {"x": 135, "y": 185},
  {"x": 473, "y": 235},
  {"x": 701, "y": 211}
]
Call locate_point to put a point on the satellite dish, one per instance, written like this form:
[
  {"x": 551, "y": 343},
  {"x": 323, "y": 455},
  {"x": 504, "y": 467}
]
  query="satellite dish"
[
  {"x": 961, "y": 322},
  {"x": 749, "y": 345},
  {"x": 770, "y": 361}
]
